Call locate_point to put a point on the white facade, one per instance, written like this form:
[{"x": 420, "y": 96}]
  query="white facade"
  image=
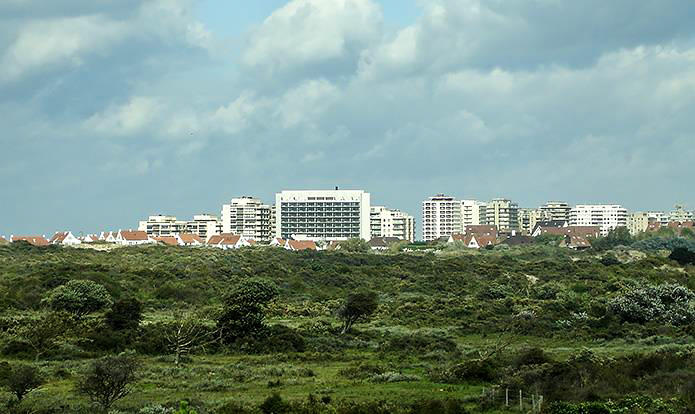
[
  {"x": 441, "y": 216},
  {"x": 247, "y": 216},
  {"x": 472, "y": 212},
  {"x": 606, "y": 216},
  {"x": 203, "y": 225},
  {"x": 323, "y": 214},
  {"x": 387, "y": 222},
  {"x": 680, "y": 214},
  {"x": 529, "y": 217},
  {"x": 161, "y": 225}
]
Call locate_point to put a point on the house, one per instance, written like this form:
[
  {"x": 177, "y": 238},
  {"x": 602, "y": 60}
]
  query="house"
[
  {"x": 541, "y": 225},
  {"x": 90, "y": 238},
  {"x": 481, "y": 230},
  {"x": 167, "y": 240},
  {"x": 277, "y": 242},
  {"x": 190, "y": 239},
  {"x": 33, "y": 240},
  {"x": 108, "y": 236},
  {"x": 228, "y": 241},
  {"x": 383, "y": 243},
  {"x": 679, "y": 226},
  {"x": 653, "y": 226},
  {"x": 3, "y": 241},
  {"x": 296, "y": 245},
  {"x": 576, "y": 242},
  {"x": 65, "y": 238},
  {"x": 458, "y": 237},
  {"x": 133, "y": 238}
]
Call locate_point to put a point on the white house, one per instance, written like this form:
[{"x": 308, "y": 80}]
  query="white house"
[
  {"x": 133, "y": 238},
  {"x": 226, "y": 241},
  {"x": 65, "y": 238}
]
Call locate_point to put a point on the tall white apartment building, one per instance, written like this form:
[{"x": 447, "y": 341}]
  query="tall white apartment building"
[
  {"x": 441, "y": 216},
  {"x": 472, "y": 212},
  {"x": 161, "y": 225},
  {"x": 323, "y": 214},
  {"x": 529, "y": 217},
  {"x": 386, "y": 222},
  {"x": 249, "y": 217},
  {"x": 204, "y": 225},
  {"x": 606, "y": 216},
  {"x": 556, "y": 210},
  {"x": 504, "y": 214}
]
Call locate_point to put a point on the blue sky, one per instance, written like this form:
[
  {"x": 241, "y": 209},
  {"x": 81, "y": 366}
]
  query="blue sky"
[{"x": 117, "y": 109}]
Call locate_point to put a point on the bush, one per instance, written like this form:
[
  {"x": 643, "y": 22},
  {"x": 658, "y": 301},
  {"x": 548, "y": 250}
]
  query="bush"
[
  {"x": 79, "y": 297},
  {"x": 274, "y": 405},
  {"x": 244, "y": 310},
  {"x": 124, "y": 314},
  {"x": 683, "y": 256},
  {"x": 108, "y": 379},
  {"x": 20, "y": 380},
  {"x": 667, "y": 303}
]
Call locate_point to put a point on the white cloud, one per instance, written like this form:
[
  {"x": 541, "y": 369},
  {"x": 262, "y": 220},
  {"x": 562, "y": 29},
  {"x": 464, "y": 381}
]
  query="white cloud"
[
  {"x": 132, "y": 117},
  {"x": 308, "y": 32}
]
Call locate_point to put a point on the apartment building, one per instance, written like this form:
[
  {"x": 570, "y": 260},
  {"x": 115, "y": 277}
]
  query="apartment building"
[
  {"x": 606, "y": 216},
  {"x": 329, "y": 215},
  {"x": 204, "y": 226},
  {"x": 248, "y": 217},
  {"x": 637, "y": 222},
  {"x": 472, "y": 212},
  {"x": 386, "y": 222},
  {"x": 162, "y": 225},
  {"x": 556, "y": 211},
  {"x": 441, "y": 216},
  {"x": 504, "y": 214},
  {"x": 680, "y": 214},
  {"x": 529, "y": 217}
]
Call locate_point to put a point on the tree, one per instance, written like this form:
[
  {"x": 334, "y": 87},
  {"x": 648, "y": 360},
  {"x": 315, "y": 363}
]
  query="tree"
[
  {"x": 355, "y": 245},
  {"x": 42, "y": 334},
  {"x": 186, "y": 334},
  {"x": 620, "y": 236},
  {"x": 358, "y": 306},
  {"x": 108, "y": 379},
  {"x": 683, "y": 256},
  {"x": 79, "y": 297},
  {"x": 244, "y": 310},
  {"x": 20, "y": 380},
  {"x": 124, "y": 314}
]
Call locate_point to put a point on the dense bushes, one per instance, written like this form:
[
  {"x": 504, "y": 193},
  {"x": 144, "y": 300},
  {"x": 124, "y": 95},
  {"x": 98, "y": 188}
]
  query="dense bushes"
[{"x": 671, "y": 304}]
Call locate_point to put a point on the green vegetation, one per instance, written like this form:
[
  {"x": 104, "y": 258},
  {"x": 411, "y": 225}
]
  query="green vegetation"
[{"x": 177, "y": 330}]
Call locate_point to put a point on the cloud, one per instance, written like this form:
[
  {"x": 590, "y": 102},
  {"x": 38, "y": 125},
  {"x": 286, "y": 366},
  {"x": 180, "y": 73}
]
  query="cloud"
[
  {"x": 306, "y": 33},
  {"x": 131, "y": 117}
]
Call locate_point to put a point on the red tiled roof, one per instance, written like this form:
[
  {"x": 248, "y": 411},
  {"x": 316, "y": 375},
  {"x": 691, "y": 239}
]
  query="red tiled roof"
[
  {"x": 481, "y": 229},
  {"x": 168, "y": 240},
  {"x": 58, "y": 237},
  {"x": 584, "y": 231},
  {"x": 35, "y": 240},
  {"x": 189, "y": 238},
  {"x": 133, "y": 235},
  {"x": 301, "y": 244}
]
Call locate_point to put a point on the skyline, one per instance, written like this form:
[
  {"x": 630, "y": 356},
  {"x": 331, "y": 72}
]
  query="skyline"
[{"x": 118, "y": 110}]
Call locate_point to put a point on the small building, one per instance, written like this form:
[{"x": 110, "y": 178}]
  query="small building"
[
  {"x": 3, "y": 241},
  {"x": 108, "y": 236},
  {"x": 383, "y": 243},
  {"x": 90, "y": 238},
  {"x": 296, "y": 245},
  {"x": 277, "y": 242},
  {"x": 65, "y": 238},
  {"x": 226, "y": 241},
  {"x": 133, "y": 238},
  {"x": 541, "y": 225},
  {"x": 167, "y": 240},
  {"x": 190, "y": 239},
  {"x": 576, "y": 242},
  {"x": 584, "y": 231},
  {"x": 33, "y": 240},
  {"x": 518, "y": 240}
]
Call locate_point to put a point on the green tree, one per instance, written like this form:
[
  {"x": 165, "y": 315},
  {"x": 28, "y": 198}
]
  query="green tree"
[
  {"x": 683, "y": 256},
  {"x": 355, "y": 245},
  {"x": 79, "y": 297},
  {"x": 109, "y": 379},
  {"x": 620, "y": 236},
  {"x": 42, "y": 334},
  {"x": 244, "y": 310},
  {"x": 20, "y": 380},
  {"x": 358, "y": 306},
  {"x": 124, "y": 314}
]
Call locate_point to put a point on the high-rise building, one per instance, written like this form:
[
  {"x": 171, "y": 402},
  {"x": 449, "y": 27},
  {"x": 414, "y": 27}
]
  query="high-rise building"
[
  {"x": 680, "y": 214},
  {"x": 204, "y": 225},
  {"x": 387, "y": 222},
  {"x": 162, "y": 225},
  {"x": 637, "y": 222},
  {"x": 606, "y": 216},
  {"x": 504, "y": 214},
  {"x": 472, "y": 213},
  {"x": 249, "y": 217},
  {"x": 556, "y": 211},
  {"x": 323, "y": 214},
  {"x": 441, "y": 216},
  {"x": 529, "y": 217}
]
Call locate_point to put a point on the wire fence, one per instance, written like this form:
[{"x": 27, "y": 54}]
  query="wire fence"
[{"x": 512, "y": 399}]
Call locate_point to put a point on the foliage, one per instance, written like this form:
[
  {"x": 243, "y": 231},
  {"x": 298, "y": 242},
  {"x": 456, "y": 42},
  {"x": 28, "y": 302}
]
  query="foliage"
[
  {"x": 109, "y": 379},
  {"x": 186, "y": 334},
  {"x": 42, "y": 334},
  {"x": 669, "y": 303},
  {"x": 683, "y": 256},
  {"x": 355, "y": 245},
  {"x": 358, "y": 306},
  {"x": 620, "y": 236},
  {"x": 124, "y": 314},
  {"x": 244, "y": 310},
  {"x": 21, "y": 380},
  {"x": 274, "y": 405},
  {"x": 79, "y": 297},
  {"x": 664, "y": 243}
]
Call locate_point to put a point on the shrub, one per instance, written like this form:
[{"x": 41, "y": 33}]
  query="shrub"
[
  {"x": 683, "y": 256},
  {"x": 274, "y": 405},
  {"x": 667, "y": 303},
  {"x": 124, "y": 314},
  {"x": 108, "y": 379},
  {"x": 358, "y": 306},
  {"x": 362, "y": 371},
  {"x": 79, "y": 297},
  {"x": 244, "y": 310},
  {"x": 21, "y": 380}
]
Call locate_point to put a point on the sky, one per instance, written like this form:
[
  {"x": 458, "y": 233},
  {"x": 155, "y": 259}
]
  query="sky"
[{"x": 113, "y": 110}]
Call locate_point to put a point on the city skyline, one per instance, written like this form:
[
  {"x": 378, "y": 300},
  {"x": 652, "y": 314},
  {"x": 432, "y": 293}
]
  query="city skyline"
[{"x": 118, "y": 110}]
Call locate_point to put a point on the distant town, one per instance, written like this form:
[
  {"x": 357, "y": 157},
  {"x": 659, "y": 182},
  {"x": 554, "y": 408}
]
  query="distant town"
[{"x": 321, "y": 219}]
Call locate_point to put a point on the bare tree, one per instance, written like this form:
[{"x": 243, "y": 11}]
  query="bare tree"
[{"x": 187, "y": 334}]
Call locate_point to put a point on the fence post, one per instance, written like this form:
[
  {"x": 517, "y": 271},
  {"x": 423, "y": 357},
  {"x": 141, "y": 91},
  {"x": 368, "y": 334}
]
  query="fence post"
[
  {"x": 521, "y": 402},
  {"x": 533, "y": 402},
  {"x": 506, "y": 397},
  {"x": 540, "y": 403}
]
